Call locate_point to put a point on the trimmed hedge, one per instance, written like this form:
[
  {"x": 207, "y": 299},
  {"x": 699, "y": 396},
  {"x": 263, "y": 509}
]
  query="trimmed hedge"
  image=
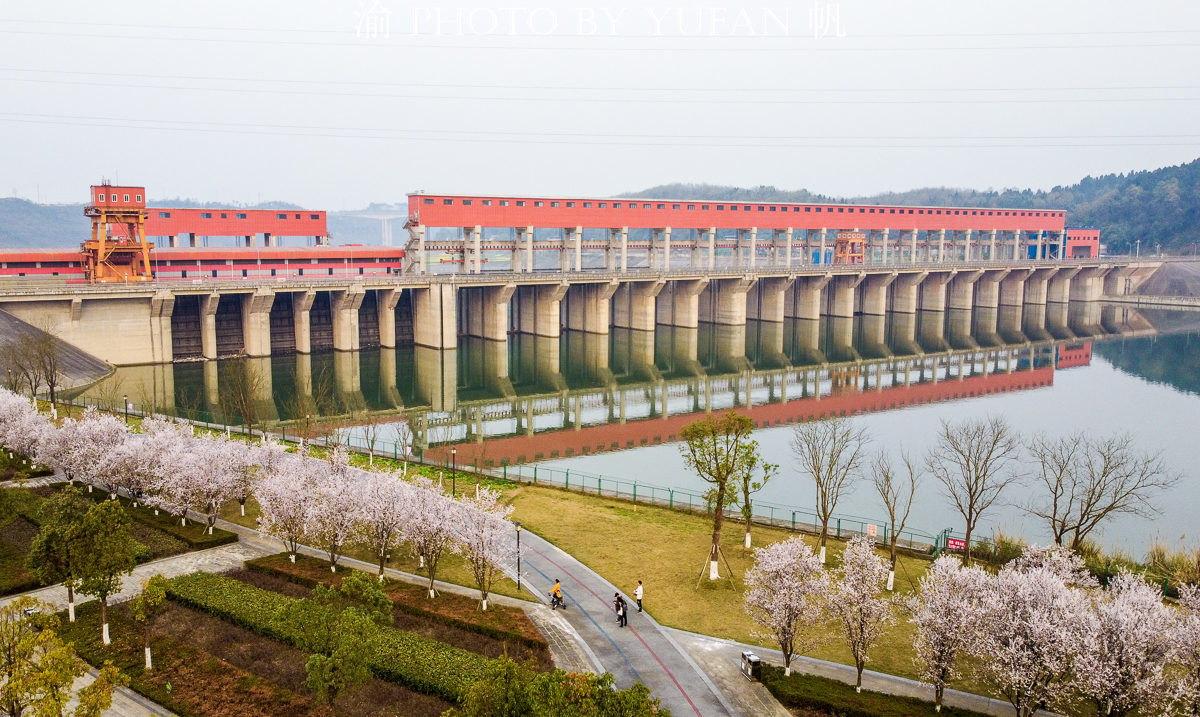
[
  {"x": 415, "y": 662},
  {"x": 194, "y": 535},
  {"x": 835, "y": 697},
  {"x": 263, "y": 565}
]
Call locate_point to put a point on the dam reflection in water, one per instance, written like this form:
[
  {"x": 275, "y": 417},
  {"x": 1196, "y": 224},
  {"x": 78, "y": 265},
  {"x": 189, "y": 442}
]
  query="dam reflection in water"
[{"x": 531, "y": 398}]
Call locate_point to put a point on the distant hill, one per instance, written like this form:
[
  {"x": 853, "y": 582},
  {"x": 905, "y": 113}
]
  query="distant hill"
[
  {"x": 26, "y": 225},
  {"x": 1161, "y": 206}
]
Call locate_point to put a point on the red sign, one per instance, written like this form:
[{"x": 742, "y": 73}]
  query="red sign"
[{"x": 955, "y": 544}]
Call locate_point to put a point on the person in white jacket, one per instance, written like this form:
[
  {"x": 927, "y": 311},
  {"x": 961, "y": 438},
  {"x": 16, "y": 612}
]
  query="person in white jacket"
[{"x": 637, "y": 594}]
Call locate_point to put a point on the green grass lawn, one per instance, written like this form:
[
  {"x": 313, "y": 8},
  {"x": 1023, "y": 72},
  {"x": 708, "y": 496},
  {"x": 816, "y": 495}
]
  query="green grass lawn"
[{"x": 667, "y": 549}]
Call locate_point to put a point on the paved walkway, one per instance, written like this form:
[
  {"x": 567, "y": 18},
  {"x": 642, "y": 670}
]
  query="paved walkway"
[
  {"x": 642, "y": 651},
  {"x": 691, "y": 674},
  {"x": 727, "y": 653},
  {"x": 213, "y": 560}
]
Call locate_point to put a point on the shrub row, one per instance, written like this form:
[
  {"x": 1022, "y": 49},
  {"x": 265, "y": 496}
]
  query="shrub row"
[
  {"x": 411, "y": 661},
  {"x": 195, "y": 535},
  {"x": 822, "y": 694},
  {"x": 264, "y": 565}
]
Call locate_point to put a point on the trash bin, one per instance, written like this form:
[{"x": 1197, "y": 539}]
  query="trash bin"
[{"x": 751, "y": 666}]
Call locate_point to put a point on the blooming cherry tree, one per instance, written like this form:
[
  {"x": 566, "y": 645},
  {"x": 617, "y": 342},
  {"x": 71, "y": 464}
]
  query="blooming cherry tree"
[
  {"x": 385, "y": 509},
  {"x": 22, "y": 428},
  {"x": 786, "y": 593},
  {"x": 1029, "y": 632},
  {"x": 283, "y": 496},
  {"x": 430, "y": 528},
  {"x": 1185, "y": 652},
  {"x": 856, "y": 600},
  {"x": 485, "y": 537},
  {"x": 945, "y": 612},
  {"x": 1122, "y": 662},
  {"x": 333, "y": 515}
]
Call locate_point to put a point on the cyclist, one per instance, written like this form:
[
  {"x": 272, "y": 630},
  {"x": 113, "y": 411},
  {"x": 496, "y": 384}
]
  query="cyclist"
[{"x": 556, "y": 598}]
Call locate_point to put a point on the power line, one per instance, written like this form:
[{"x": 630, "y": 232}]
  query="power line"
[
  {"x": 207, "y": 28},
  {"x": 562, "y": 88},
  {"x": 273, "y": 132},
  {"x": 609, "y": 100},
  {"x": 579, "y": 48}
]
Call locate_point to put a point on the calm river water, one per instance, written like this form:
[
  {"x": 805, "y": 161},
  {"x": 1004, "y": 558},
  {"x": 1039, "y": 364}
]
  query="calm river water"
[{"x": 612, "y": 405}]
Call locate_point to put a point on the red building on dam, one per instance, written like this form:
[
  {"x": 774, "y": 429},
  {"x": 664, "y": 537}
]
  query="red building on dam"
[{"x": 671, "y": 233}]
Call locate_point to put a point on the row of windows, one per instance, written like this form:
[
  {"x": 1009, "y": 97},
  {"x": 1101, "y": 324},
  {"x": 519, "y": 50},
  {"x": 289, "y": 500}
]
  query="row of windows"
[
  {"x": 761, "y": 208},
  {"x": 100, "y": 198},
  {"x": 237, "y": 215},
  {"x": 245, "y": 273},
  {"x": 270, "y": 262}
]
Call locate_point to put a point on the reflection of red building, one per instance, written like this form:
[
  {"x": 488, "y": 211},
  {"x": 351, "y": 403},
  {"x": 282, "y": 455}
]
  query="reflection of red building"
[
  {"x": 1072, "y": 355},
  {"x": 657, "y": 430},
  {"x": 1083, "y": 243}
]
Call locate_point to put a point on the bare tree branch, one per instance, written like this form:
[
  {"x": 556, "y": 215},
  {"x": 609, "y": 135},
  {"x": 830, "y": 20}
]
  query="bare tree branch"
[
  {"x": 1089, "y": 480},
  {"x": 975, "y": 460},
  {"x": 831, "y": 452}
]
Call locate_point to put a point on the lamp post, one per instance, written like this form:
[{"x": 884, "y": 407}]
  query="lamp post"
[
  {"x": 453, "y": 470},
  {"x": 518, "y": 526},
  {"x": 125, "y": 400}
]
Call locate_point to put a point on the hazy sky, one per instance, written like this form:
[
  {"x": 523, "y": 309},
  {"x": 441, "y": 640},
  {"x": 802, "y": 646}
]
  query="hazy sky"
[{"x": 340, "y": 103}]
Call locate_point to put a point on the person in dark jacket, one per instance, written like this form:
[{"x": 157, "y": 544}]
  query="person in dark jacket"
[{"x": 621, "y": 609}]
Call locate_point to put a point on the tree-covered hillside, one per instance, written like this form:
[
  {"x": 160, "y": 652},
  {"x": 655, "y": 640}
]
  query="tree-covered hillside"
[{"x": 1159, "y": 207}]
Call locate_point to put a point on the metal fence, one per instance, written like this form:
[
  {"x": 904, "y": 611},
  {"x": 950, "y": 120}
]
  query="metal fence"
[{"x": 789, "y": 517}]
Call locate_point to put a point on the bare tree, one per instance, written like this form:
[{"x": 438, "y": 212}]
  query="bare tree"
[
  {"x": 1089, "y": 480},
  {"x": 897, "y": 493},
  {"x": 46, "y": 351},
  {"x": 975, "y": 460},
  {"x": 22, "y": 362},
  {"x": 241, "y": 387},
  {"x": 372, "y": 428},
  {"x": 831, "y": 452},
  {"x": 109, "y": 390}
]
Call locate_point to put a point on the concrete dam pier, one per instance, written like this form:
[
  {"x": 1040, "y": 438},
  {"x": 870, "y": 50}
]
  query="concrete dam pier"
[{"x": 165, "y": 321}]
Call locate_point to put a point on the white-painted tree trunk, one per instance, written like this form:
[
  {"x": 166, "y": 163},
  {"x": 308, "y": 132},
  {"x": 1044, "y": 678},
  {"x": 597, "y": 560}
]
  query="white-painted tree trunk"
[
  {"x": 89, "y": 488},
  {"x": 712, "y": 570},
  {"x": 858, "y": 689},
  {"x": 787, "y": 671},
  {"x": 747, "y": 540},
  {"x": 937, "y": 708},
  {"x": 243, "y": 509},
  {"x": 422, "y": 559},
  {"x": 822, "y": 554},
  {"x": 183, "y": 521},
  {"x": 71, "y": 611},
  {"x": 149, "y": 662},
  {"x": 485, "y": 605},
  {"x": 156, "y": 511},
  {"x": 333, "y": 568},
  {"x": 891, "y": 579},
  {"x": 104, "y": 632},
  {"x": 292, "y": 557},
  {"x": 430, "y": 593}
]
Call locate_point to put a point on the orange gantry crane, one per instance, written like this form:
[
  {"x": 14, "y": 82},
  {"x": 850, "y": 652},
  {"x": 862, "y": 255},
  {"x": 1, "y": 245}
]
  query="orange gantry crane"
[{"x": 117, "y": 259}]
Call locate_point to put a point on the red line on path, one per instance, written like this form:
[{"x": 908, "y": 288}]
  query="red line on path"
[{"x": 634, "y": 631}]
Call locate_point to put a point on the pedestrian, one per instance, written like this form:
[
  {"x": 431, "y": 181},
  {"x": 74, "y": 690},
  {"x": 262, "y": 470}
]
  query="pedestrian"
[
  {"x": 620, "y": 608},
  {"x": 637, "y": 594}
]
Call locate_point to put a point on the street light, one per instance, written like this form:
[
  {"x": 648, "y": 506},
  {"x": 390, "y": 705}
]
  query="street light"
[
  {"x": 125, "y": 400},
  {"x": 518, "y": 526},
  {"x": 453, "y": 469}
]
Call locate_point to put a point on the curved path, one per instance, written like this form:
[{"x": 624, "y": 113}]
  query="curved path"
[{"x": 642, "y": 651}]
